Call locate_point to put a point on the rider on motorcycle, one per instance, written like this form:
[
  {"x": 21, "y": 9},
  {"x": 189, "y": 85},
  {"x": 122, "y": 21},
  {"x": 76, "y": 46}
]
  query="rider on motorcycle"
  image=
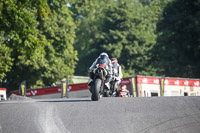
[
  {"x": 123, "y": 92},
  {"x": 117, "y": 72},
  {"x": 102, "y": 57}
]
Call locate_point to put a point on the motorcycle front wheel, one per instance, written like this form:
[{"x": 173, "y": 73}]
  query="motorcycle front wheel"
[{"x": 96, "y": 89}]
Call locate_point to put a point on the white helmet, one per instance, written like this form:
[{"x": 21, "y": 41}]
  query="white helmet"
[{"x": 104, "y": 54}]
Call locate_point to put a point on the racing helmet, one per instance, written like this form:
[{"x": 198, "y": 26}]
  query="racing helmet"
[
  {"x": 114, "y": 60},
  {"x": 104, "y": 54},
  {"x": 124, "y": 88}
]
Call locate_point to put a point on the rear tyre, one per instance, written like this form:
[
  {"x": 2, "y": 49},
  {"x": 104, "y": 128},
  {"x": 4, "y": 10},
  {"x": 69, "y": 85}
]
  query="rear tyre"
[{"x": 96, "y": 89}]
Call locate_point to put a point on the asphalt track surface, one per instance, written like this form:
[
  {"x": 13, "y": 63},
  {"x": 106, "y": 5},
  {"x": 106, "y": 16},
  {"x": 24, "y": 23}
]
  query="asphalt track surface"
[{"x": 109, "y": 115}]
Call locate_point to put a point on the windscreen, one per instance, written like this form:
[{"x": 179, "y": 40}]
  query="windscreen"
[{"x": 103, "y": 60}]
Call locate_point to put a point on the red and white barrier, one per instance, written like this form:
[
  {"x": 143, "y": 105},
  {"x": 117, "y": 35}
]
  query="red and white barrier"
[
  {"x": 150, "y": 86},
  {"x": 2, "y": 94},
  {"x": 74, "y": 90},
  {"x": 146, "y": 87}
]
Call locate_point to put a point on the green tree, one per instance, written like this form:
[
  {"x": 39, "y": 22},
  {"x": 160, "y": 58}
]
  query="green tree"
[
  {"x": 88, "y": 16},
  {"x": 5, "y": 57},
  {"x": 36, "y": 39},
  {"x": 23, "y": 40},
  {"x": 59, "y": 30},
  {"x": 123, "y": 29},
  {"x": 133, "y": 34},
  {"x": 177, "y": 49},
  {"x": 146, "y": 2}
]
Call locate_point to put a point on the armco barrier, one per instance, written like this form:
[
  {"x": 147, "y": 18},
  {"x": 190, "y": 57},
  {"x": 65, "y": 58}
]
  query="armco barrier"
[
  {"x": 145, "y": 86},
  {"x": 74, "y": 90}
]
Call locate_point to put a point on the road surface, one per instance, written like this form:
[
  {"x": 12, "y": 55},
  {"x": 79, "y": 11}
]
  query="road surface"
[{"x": 109, "y": 115}]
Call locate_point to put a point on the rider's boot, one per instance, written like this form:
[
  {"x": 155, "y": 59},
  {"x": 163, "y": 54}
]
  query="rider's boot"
[
  {"x": 107, "y": 85},
  {"x": 90, "y": 84}
]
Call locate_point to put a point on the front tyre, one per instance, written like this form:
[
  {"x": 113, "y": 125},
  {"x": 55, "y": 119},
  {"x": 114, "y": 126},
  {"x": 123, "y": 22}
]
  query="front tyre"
[{"x": 96, "y": 89}]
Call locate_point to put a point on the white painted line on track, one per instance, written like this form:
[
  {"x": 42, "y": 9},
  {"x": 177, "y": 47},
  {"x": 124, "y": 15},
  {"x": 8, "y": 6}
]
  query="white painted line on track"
[
  {"x": 1, "y": 129},
  {"x": 18, "y": 101},
  {"x": 50, "y": 122}
]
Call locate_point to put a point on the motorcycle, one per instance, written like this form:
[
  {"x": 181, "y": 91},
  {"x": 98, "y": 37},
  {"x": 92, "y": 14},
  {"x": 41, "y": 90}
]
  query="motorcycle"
[
  {"x": 98, "y": 88},
  {"x": 123, "y": 92}
]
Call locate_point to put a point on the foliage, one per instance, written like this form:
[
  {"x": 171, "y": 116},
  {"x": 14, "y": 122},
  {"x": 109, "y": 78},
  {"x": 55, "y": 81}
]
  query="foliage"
[
  {"x": 38, "y": 40},
  {"x": 44, "y": 41},
  {"x": 19, "y": 26},
  {"x": 120, "y": 30},
  {"x": 88, "y": 16},
  {"x": 178, "y": 46},
  {"x": 5, "y": 58},
  {"x": 149, "y": 37},
  {"x": 130, "y": 36},
  {"x": 146, "y": 2},
  {"x": 60, "y": 54}
]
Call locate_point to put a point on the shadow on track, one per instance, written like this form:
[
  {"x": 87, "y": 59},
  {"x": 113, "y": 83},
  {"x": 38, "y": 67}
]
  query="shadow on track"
[{"x": 66, "y": 101}]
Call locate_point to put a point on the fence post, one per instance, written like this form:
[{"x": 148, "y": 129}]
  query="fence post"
[
  {"x": 162, "y": 85},
  {"x": 134, "y": 86},
  {"x": 22, "y": 88},
  {"x": 64, "y": 88}
]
